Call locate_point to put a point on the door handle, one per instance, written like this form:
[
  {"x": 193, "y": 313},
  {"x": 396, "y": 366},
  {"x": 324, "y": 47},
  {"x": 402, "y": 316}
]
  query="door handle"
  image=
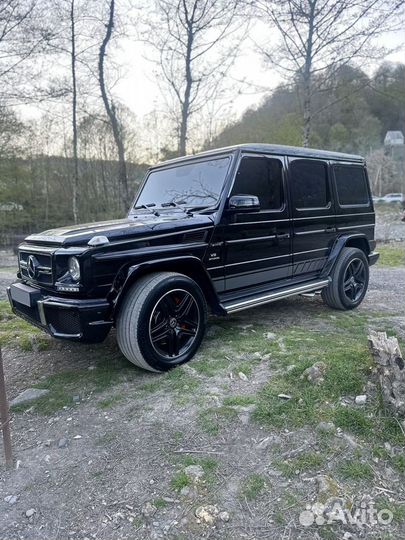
[{"x": 282, "y": 236}]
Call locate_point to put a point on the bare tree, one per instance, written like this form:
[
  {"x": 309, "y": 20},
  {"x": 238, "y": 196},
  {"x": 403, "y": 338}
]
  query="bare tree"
[
  {"x": 319, "y": 36},
  {"x": 75, "y": 182},
  {"x": 194, "y": 53},
  {"x": 111, "y": 109},
  {"x": 22, "y": 34}
]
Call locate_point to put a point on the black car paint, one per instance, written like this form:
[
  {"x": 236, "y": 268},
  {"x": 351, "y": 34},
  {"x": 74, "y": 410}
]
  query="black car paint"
[{"x": 230, "y": 255}]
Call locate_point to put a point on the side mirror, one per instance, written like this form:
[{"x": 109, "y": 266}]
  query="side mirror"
[{"x": 244, "y": 203}]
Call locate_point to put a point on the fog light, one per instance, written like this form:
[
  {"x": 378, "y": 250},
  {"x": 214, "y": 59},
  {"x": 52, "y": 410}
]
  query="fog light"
[{"x": 74, "y": 268}]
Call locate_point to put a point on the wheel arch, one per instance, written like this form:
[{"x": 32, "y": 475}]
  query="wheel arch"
[
  {"x": 357, "y": 240},
  {"x": 189, "y": 266}
]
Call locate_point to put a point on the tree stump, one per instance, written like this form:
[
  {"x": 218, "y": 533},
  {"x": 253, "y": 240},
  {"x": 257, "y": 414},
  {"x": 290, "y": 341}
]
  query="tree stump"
[{"x": 390, "y": 370}]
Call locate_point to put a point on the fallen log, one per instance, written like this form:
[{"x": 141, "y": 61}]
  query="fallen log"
[{"x": 391, "y": 371}]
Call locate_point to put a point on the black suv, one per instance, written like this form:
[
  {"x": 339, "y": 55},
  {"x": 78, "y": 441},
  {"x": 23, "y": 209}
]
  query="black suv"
[{"x": 227, "y": 230}]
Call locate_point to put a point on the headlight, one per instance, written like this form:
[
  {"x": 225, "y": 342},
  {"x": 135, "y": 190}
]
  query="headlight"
[{"x": 74, "y": 268}]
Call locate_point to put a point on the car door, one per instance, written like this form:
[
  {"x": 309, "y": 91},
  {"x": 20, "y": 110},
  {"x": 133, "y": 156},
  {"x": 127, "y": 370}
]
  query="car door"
[
  {"x": 313, "y": 212},
  {"x": 258, "y": 244}
]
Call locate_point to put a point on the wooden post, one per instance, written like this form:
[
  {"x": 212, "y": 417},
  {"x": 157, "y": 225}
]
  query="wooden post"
[{"x": 5, "y": 417}]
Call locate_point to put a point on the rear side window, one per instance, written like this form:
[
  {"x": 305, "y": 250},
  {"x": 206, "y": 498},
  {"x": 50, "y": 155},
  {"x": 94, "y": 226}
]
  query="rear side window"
[
  {"x": 351, "y": 185},
  {"x": 262, "y": 177},
  {"x": 309, "y": 184}
]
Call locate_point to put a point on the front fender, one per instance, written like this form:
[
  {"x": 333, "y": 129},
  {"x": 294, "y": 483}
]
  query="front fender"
[{"x": 188, "y": 265}]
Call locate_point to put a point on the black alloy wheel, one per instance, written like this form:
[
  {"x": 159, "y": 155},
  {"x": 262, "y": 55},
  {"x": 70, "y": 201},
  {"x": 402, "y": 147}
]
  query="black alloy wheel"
[
  {"x": 355, "y": 280},
  {"x": 174, "y": 323}
]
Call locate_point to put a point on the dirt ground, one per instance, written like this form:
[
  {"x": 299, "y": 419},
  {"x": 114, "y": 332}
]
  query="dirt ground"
[{"x": 134, "y": 455}]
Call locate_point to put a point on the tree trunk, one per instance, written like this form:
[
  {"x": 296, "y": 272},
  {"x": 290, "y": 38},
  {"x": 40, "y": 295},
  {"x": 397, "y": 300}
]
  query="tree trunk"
[
  {"x": 307, "y": 78},
  {"x": 307, "y": 112},
  {"x": 112, "y": 113},
  {"x": 185, "y": 108},
  {"x": 75, "y": 182}
]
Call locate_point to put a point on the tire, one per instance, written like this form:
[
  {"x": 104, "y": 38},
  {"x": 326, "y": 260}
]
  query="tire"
[
  {"x": 162, "y": 321},
  {"x": 349, "y": 280}
]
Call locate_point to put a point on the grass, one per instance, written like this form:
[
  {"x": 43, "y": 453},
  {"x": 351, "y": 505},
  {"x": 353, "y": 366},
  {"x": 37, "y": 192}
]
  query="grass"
[
  {"x": 391, "y": 254},
  {"x": 241, "y": 401},
  {"x": 211, "y": 419},
  {"x": 62, "y": 386},
  {"x": 109, "y": 402},
  {"x": 159, "y": 503},
  {"x": 307, "y": 461},
  {"x": 15, "y": 331},
  {"x": 355, "y": 469},
  {"x": 180, "y": 480},
  {"x": 344, "y": 351},
  {"x": 253, "y": 486}
]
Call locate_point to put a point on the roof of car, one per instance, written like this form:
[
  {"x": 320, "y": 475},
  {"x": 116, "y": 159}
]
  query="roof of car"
[{"x": 270, "y": 149}]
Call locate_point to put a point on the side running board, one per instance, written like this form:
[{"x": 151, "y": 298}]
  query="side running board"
[{"x": 253, "y": 301}]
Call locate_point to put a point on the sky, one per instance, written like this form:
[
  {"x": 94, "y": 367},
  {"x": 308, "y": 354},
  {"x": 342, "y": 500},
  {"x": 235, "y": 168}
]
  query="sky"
[{"x": 139, "y": 91}]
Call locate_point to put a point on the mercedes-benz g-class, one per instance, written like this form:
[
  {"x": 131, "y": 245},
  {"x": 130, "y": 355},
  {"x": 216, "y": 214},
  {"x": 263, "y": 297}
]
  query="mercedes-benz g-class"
[{"x": 224, "y": 230}]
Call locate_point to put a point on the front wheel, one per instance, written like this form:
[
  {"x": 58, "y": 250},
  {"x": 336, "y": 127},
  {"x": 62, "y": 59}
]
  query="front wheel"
[
  {"x": 162, "y": 321},
  {"x": 349, "y": 280}
]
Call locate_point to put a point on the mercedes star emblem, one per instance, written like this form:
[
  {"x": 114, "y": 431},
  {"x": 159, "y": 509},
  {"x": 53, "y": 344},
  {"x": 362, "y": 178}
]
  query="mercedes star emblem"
[{"x": 32, "y": 266}]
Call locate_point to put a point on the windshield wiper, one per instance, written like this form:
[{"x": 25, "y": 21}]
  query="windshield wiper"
[
  {"x": 200, "y": 207},
  {"x": 177, "y": 205},
  {"x": 173, "y": 203},
  {"x": 147, "y": 207}
]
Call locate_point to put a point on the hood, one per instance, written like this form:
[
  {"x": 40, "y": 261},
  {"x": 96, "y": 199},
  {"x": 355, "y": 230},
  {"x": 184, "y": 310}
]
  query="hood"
[{"x": 119, "y": 229}]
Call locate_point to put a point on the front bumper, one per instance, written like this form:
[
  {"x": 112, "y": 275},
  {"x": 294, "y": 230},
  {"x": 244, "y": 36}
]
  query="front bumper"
[
  {"x": 373, "y": 258},
  {"x": 64, "y": 318}
]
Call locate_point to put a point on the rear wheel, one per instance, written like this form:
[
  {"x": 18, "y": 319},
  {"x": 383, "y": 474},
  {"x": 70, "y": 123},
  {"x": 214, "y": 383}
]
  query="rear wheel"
[
  {"x": 162, "y": 321},
  {"x": 350, "y": 278}
]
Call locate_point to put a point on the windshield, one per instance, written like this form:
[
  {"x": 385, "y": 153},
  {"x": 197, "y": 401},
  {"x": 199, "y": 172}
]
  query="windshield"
[{"x": 192, "y": 184}]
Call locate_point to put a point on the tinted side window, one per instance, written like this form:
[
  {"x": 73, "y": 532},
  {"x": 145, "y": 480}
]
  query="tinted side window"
[
  {"x": 262, "y": 177},
  {"x": 309, "y": 183},
  {"x": 351, "y": 185}
]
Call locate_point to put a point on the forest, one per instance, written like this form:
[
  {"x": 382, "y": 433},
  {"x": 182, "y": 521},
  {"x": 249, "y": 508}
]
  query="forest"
[{"x": 82, "y": 154}]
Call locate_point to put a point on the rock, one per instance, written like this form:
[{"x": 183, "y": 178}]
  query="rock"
[
  {"x": 76, "y": 399},
  {"x": 194, "y": 472},
  {"x": 244, "y": 418},
  {"x": 270, "y": 336},
  {"x": 207, "y": 514},
  {"x": 284, "y": 396},
  {"x": 11, "y": 499},
  {"x": 223, "y": 516},
  {"x": 290, "y": 368},
  {"x": 350, "y": 440},
  {"x": 388, "y": 448},
  {"x": 242, "y": 376},
  {"x": 327, "y": 488},
  {"x": 185, "y": 491},
  {"x": 315, "y": 373},
  {"x": 347, "y": 536},
  {"x": 30, "y": 394},
  {"x": 148, "y": 509},
  {"x": 62, "y": 443},
  {"x": 360, "y": 400},
  {"x": 326, "y": 427},
  {"x": 77, "y": 437},
  {"x": 29, "y": 513},
  {"x": 264, "y": 443}
]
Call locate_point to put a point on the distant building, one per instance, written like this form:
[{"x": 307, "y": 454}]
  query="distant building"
[
  {"x": 394, "y": 138},
  {"x": 394, "y": 146}
]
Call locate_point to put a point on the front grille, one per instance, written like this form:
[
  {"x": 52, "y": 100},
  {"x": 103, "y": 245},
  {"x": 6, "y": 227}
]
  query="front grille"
[
  {"x": 63, "y": 321},
  {"x": 36, "y": 267}
]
